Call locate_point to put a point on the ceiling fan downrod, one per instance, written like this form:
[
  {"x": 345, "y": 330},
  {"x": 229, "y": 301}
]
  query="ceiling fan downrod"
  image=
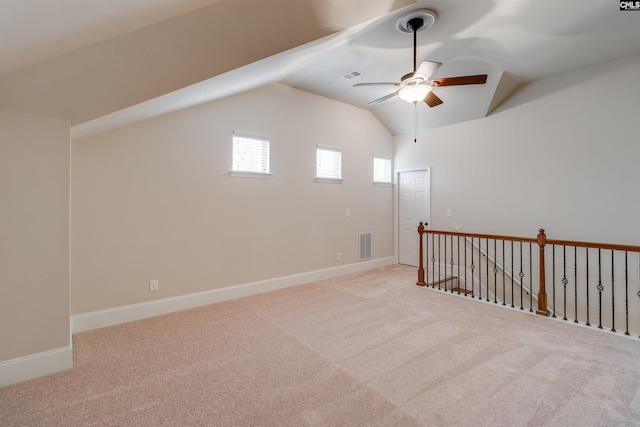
[{"x": 414, "y": 25}]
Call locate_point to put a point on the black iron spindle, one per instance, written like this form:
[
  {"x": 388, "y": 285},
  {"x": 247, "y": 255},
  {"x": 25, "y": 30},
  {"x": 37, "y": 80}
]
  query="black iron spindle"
[
  {"x": 521, "y": 275},
  {"x": 440, "y": 258},
  {"x": 564, "y": 282},
  {"x": 575, "y": 284},
  {"x": 465, "y": 266},
  {"x": 504, "y": 281},
  {"x": 600, "y": 288},
  {"x": 444, "y": 284},
  {"x": 451, "y": 263},
  {"x": 480, "y": 267},
  {"x": 473, "y": 267},
  {"x": 458, "y": 261},
  {"x": 530, "y": 278},
  {"x": 433, "y": 261},
  {"x": 495, "y": 271},
  {"x": 626, "y": 294},
  {"x": 512, "y": 294},
  {"x": 587, "y": 262},
  {"x": 613, "y": 295},
  {"x": 487, "y": 260},
  {"x": 553, "y": 280}
]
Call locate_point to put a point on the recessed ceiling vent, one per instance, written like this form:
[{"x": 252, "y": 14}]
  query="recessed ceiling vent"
[
  {"x": 352, "y": 75},
  {"x": 428, "y": 17}
]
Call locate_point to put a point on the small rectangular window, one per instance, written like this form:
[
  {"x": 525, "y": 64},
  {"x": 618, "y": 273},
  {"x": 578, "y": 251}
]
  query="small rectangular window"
[
  {"x": 328, "y": 163},
  {"x": 381, "y": 169},
  {"x": 251, "y": 154}
]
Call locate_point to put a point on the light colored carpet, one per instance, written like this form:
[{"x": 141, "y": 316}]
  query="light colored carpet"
[{"x": 365, "y": 349}]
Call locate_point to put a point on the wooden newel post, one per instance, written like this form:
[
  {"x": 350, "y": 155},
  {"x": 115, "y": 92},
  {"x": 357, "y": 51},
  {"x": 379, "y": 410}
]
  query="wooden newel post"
[
  {"x": 421, "y": 281},
  {"x": 542, "y": 294}
]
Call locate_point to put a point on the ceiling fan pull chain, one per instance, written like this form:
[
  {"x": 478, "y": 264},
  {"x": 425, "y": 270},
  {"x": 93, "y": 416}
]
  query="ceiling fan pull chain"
[{"x": 415, "y": 122}]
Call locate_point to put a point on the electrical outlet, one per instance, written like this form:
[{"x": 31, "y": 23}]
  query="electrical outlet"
[
  {"x": 153, "y": 285},
  {"x": 347, "y": 213},
  {"x": 338, "y": 256}
]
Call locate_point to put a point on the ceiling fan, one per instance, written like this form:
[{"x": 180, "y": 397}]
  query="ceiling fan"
[{"x": 416, "y": 86}]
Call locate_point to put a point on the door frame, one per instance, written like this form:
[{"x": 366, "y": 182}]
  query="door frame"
[{"x": 396, "y": 205}]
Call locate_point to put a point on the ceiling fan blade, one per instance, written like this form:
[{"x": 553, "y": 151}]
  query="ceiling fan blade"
[
  {"x": 377, "y": 84},
  {"x": 432, "y": 100},
  {"x": 427, "y": 68},
  {"x": 384, "y": 98},
  {"x": 457, "y": 81}
]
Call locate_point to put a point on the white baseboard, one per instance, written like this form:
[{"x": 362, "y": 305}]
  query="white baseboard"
[
  {"x": 35, "y": 365},
  {"x": 114, "y": 316}
]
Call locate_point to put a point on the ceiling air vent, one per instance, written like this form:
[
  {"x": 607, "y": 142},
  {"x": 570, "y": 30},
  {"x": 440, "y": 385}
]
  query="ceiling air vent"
[{"x": 352, "y": 75}]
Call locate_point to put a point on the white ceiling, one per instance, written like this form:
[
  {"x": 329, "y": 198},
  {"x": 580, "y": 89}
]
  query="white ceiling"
[{"x": 65, "y": 58}]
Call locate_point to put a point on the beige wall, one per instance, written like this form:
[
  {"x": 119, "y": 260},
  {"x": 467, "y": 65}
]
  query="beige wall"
[
  {"x": 154, "y": 200},
  {"x": 562, "y": 154},
  {"x": 34, "y": 234}
]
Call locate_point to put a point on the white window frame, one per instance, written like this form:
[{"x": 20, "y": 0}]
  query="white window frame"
[
  {"x": 263, "y": 149},
  {"x": 390, "y": 165},
  {"x": 321, "y": 177}
]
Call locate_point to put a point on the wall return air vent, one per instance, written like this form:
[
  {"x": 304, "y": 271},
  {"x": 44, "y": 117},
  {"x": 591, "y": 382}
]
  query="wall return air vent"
[{"x": 364, "y": 246}]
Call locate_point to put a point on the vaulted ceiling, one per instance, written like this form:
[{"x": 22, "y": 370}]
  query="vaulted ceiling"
[{"x": 103, "y": 63}]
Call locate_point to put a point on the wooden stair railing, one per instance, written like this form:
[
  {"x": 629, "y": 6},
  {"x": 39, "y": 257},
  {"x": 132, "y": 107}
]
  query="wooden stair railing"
[{"x": 571, "y": 281}]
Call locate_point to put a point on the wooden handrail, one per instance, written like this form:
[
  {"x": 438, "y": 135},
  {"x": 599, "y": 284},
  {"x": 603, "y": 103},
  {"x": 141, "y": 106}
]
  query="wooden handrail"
[
  {"x": 541, "y": 240},
  {"x": 580, "y": 244},
  {"x": 483, "y": 236},
  {"x": 607, "y": 246}
]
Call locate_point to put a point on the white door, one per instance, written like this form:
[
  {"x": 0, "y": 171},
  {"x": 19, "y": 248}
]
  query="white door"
[{"x": 413, "y": 207}]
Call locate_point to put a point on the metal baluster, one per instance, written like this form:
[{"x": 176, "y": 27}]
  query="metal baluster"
[
  {"x": 553, "y": 281},
  {"x": 564, "y": 282},
  {"x": 440, "y": 258},
  {"x": 521, "y": 279},
  {"x": 626, "y": 295},
  {"x": 451, "y": 263},
  {"x": 530, "y": 278},
  {"x": 600, "y": 289},
  {"x": 575, "y": 284},
  {"x": 613, "y": 296},
  {"x": 487, "y": 257},
  {"x": 495, "y": 271},
  {"x": 587, "y": 258},
  {"x": 480, "y": 266},
  {"x": 512, "y": 294},
  {"x": 444, "y": 284},
  {"x": 465, "y": 266},
  {"x": 473, "y": 267},
  {"x": 433, "y": 261},
  {"x": 458, "y": 260},
  {"x": 504, "y": 281}
]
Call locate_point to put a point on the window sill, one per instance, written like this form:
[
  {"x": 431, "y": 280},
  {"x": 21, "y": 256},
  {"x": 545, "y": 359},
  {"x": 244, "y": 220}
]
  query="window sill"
[
  {"x": 328, "y": 180},
  {"x": 258, "y": 175},
  {"x": 382, "y": 184}
]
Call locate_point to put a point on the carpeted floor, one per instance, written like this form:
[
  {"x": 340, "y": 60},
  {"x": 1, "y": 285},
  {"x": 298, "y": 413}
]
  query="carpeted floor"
[{"x": 365, "y": 349}]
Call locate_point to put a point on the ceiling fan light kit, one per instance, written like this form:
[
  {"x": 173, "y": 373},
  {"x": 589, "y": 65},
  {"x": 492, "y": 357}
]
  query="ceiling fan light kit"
[
  {"x": 416, "y": 86},
  {"x": 415, "y": 93}
]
